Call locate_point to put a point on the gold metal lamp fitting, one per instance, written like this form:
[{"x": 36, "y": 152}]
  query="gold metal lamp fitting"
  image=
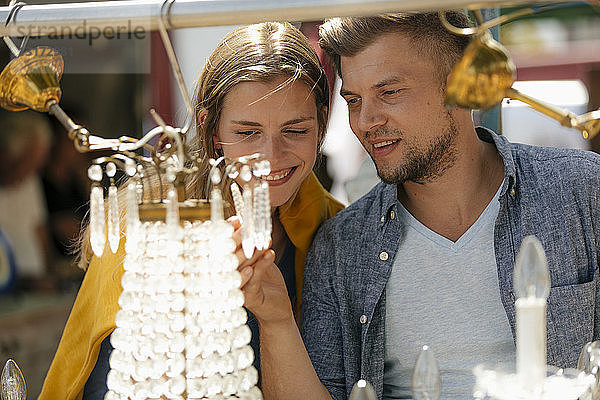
[
  {"x": 483, "y": 75},
  {"x": 31, "y": 80},
  {"x": 589, "y": 123}
]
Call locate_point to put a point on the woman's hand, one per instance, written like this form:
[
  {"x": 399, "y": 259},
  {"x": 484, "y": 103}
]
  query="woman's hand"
[{"x": 263, "y": 286}]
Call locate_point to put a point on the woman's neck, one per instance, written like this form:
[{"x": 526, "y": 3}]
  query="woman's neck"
[{"x": 278, "y": 236}]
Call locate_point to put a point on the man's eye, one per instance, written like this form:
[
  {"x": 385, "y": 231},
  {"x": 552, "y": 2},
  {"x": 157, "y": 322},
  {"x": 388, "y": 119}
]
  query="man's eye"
[
  {"x": 352, "y": 100},
  {"x": 391, "y": 92},
  {"x": 247, "y": 133}
]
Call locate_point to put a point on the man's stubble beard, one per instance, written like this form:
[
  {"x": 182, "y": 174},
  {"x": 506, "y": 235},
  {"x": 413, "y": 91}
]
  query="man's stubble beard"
[{"x": 422, "y": 165}]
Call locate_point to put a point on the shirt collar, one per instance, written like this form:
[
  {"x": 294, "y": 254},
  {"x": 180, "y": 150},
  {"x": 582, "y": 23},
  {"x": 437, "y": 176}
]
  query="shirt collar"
[
  {"x": 504, "y": 149},
  {"x": 390, "y": 194}
]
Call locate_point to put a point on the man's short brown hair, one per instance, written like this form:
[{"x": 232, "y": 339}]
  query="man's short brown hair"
[{"x": 347, "y": 36}]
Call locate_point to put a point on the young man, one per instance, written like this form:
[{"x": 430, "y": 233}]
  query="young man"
[{"x": 427, "y": 256}]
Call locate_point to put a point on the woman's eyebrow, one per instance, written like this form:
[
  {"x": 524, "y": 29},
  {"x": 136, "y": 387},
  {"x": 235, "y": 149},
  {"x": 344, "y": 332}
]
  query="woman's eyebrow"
[
  {"x": 297, "y": 120},
  {"x": 246, "y": 123},
  {"x": 345, "y": 92}
]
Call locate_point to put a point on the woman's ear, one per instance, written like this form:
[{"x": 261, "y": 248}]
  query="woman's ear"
[
  {"x": 325, "y": 113},
  {"x": 202, "y": 116},
  {"x": 217, "y": 146}
]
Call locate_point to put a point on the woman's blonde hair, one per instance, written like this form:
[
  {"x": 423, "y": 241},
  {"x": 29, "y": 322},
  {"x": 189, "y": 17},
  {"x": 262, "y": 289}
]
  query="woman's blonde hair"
[{"x": 255, "y": 53}]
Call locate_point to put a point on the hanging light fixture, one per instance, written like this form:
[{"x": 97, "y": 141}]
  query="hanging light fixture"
[{"x": 181, "y": 329}]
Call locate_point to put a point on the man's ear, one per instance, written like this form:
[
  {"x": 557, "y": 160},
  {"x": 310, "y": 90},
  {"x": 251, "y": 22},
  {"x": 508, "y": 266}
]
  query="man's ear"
[{"x": 325, "y": 111}]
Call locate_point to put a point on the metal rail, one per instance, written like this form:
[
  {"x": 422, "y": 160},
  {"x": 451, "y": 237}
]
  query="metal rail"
[{"x": 127, "y": 16}]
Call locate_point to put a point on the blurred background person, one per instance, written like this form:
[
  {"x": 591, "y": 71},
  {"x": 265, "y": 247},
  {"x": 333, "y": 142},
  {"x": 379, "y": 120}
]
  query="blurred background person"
[
  {"x": 66, "y": 191},
  {"x": 24, "y": 144}
]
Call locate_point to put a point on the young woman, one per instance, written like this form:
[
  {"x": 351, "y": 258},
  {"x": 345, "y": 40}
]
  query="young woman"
[{"x": 261, "y": 90}]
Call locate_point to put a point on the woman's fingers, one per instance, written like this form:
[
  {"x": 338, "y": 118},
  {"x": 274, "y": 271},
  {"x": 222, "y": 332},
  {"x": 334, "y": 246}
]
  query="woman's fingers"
[
  {"x": 239, "y": 252},
  {"x": 235, "y": 221},
  {"x": 246, "y": 274},
  {"x": 253, "y": 287},
  {"x": 247, "y": 266}
]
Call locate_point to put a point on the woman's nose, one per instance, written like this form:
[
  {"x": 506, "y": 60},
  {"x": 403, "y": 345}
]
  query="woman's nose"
[{"x": 272, "y": 146}]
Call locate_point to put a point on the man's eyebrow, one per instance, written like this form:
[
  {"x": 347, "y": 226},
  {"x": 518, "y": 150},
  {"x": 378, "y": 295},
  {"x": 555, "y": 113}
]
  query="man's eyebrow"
[
  {"x": 388, "y": 81},
  {"x": 246, "y": 123},
  {"x": 297, "y": 120}
]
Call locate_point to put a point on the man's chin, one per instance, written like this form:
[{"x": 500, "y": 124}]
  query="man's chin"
[{"x": 388, "y": 177}]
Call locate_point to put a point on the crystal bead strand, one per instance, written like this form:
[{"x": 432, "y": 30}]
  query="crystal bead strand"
[
  {"x": 97, "y": 221},
  {"x": 259, "y": 216},
  {"x": 114, "y": 231},
  {"x": 216, "y": 199},
  {"x": 133, "y": 218},
  {"x": 238, "y": 202},
  {"x": 259, "y": 221},
  {"x": 267, "y": 204},
  {"x": 248, "y": 213},
  {"x": 150, "y": 340},
  {"x": 263, "y": 208},
  {"x": 269, "y": 225},
  {"x": 216, "y": 205},
  {"x": 218, "y": 357},
  {"x": 264, "y": 169},
  {"x": 172, "y": 217},
  {"x": 196, "y": 299}
]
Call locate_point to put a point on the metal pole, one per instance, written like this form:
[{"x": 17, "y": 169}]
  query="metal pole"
[{"x": 130, "y": 15}]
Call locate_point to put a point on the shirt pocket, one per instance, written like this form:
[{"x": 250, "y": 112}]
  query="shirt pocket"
[{"x": 570, "y": 324}]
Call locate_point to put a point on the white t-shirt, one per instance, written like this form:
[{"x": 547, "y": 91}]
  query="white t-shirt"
[
  {"x": 445, "y": 295},
  {"x": 22, "y": 211}
]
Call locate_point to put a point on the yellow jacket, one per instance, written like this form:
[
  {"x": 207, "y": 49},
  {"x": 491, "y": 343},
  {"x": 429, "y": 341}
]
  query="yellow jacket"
[{"x": 92, "y": 318}]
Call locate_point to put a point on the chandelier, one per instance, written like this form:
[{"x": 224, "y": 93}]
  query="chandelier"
[{"x": 181, "y": 328}]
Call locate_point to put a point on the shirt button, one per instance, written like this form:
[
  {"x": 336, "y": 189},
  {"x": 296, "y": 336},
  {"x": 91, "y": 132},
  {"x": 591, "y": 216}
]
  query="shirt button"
[
  {"x": 512, "y": 191},
  {"x": 392, "y": 214},
  {"x": 383, "y": 256},
  {"x": 363, "y": 319},
  {"x": 383, "y": 218}
]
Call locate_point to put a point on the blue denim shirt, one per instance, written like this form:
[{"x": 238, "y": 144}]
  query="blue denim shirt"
[{"x": 550, "y": 193}]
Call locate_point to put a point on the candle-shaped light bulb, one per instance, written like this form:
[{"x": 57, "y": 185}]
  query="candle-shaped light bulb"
[
  {"x": 363, "y": 390},
  {"x": 589, "y": 358},
  {"x": 531, "y": 276},
  {"x": 531, "y": 282},
  {"x": 426, "y": 381},
  {"x": 12, "y": 384}
]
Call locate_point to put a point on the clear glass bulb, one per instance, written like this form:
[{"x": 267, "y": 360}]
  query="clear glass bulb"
[
  {"x": 426, "y": 382},
  {"x": 531, "y": 277},
  {"x": 362, "y": 390},
  {"x": 12, "y": 383},
  {"x": 114, "y": 231}
]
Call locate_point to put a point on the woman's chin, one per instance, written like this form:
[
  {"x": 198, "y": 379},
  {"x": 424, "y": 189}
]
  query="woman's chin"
[{"x": 278, "y": 198}]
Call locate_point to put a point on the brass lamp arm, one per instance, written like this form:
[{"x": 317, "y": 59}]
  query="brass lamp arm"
[
  {"x": 565, "y": 117},
  {"x": 588, "y": 124},
  {"x": 483, "y": 26}
]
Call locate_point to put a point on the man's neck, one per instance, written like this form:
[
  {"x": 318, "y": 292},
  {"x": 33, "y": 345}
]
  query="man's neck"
[{"x": 451, "y": 203}]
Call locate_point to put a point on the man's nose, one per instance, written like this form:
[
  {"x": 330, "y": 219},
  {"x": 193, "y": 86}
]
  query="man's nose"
[{"x": 370, "y": 117}]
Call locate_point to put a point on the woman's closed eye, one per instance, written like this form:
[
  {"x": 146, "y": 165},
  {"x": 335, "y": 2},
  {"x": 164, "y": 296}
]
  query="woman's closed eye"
[
  {"x": 294, "y": 132},
  {"x": 248, "y": 132}
]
